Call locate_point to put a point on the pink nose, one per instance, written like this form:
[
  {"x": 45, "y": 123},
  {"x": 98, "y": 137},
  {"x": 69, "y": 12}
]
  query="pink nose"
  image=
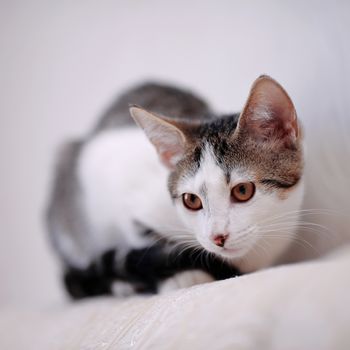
[{"x": 220, "y": 239}]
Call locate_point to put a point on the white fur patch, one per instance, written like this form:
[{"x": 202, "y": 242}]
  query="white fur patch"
[
  {"x": 124, "y": 185},
  {"x": 122, "y": 289},
  {"x": 184, "y": 279}
]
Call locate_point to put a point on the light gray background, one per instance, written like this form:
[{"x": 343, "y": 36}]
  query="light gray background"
[{"x": 61, "y": 62}]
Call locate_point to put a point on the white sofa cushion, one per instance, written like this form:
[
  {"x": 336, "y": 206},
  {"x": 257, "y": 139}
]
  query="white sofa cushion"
[{"x": 296, "y": 307}]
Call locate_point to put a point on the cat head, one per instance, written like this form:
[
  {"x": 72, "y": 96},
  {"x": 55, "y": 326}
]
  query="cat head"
[{"x": 233, "y": 179}]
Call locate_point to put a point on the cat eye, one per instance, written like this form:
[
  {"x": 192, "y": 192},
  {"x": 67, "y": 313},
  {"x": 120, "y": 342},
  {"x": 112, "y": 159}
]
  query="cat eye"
[
  {"x": 191, "y": 201},
  {"x": 243, "y": 191}
]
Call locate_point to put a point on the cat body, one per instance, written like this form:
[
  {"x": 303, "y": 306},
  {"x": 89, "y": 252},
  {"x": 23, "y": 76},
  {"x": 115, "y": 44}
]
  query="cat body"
[
  {"x": 120, "y": 187},
  {"x": 117, "y": 206}
]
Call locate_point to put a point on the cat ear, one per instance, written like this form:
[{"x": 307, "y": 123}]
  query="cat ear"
[
  {"x": 269, "y": 114},
  {"x": 168, "y": 139}
]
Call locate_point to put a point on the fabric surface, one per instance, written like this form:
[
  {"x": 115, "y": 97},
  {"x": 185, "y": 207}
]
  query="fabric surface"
[{"x": 301, "y": 306}]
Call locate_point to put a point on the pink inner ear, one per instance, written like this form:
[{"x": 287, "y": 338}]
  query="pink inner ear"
[
  {"x": 269, "y": 114},
  {"x": 273, "y": 125},
  {"x": 170, "y": 146},
  {"x": 170, "y": 157}
]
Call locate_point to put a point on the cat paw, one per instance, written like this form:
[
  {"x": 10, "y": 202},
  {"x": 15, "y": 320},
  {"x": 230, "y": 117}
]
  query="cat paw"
[
  {"x": 122, "y": 289},
  {"x": 184, "y": 280}
]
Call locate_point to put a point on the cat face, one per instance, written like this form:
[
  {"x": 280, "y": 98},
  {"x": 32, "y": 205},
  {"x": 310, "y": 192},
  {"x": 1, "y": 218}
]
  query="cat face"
[
  {"x": 235, "y": 180},
  {"x": 233, "y": 210}
]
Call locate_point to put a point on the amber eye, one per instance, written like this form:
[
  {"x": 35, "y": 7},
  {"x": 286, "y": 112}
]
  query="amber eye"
[
  {"x": 191, "y": 201},
  {"x": 243, "y": 191}
]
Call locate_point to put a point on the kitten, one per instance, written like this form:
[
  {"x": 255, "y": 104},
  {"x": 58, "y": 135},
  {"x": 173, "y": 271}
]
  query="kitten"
[{"x": 123, "y": 219}]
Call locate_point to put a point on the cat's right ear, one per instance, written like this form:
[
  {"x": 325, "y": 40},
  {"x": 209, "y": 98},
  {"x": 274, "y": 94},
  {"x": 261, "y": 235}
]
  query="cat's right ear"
[{"x": 167, "y": 138}]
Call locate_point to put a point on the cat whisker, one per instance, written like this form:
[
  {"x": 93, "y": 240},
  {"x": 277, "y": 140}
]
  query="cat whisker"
[
  {"x": 300, "y": 241},
  {"x": 301, "y": 226},
  {"x": 299, "y": 213}
]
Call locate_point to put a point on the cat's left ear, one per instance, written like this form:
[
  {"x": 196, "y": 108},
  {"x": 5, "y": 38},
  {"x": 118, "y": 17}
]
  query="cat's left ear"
[
  {"x": 167, "y": 138},
  {"x": 269, "y": 114}
]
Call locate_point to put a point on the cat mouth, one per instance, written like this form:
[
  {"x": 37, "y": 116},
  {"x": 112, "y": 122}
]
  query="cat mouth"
[
  {"x": 231, "y": 252},
  {"x": 228, "y": 251}
]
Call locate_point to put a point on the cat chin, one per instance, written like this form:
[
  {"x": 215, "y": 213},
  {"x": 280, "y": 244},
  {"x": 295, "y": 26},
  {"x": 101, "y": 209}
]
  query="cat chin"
[
  {"x": 228, "y": 253},
  {"x": 233, "y": 254}
]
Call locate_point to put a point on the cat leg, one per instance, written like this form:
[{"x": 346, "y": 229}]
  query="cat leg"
[
  {"x": 81, "y": 283},
  {"x": 84, "y": 284},
  {"x": 184, "y": 279},
  {"x": 160, "y": 271},
  {"x": 96, "y": 279}
]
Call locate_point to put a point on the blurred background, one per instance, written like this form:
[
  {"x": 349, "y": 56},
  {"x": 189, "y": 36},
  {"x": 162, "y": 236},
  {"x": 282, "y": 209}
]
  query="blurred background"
[{"x": 63, "y": 62}]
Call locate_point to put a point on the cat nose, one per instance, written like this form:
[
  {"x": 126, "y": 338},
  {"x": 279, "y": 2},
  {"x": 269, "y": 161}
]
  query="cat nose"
[{"x": 220, "y": 239}]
